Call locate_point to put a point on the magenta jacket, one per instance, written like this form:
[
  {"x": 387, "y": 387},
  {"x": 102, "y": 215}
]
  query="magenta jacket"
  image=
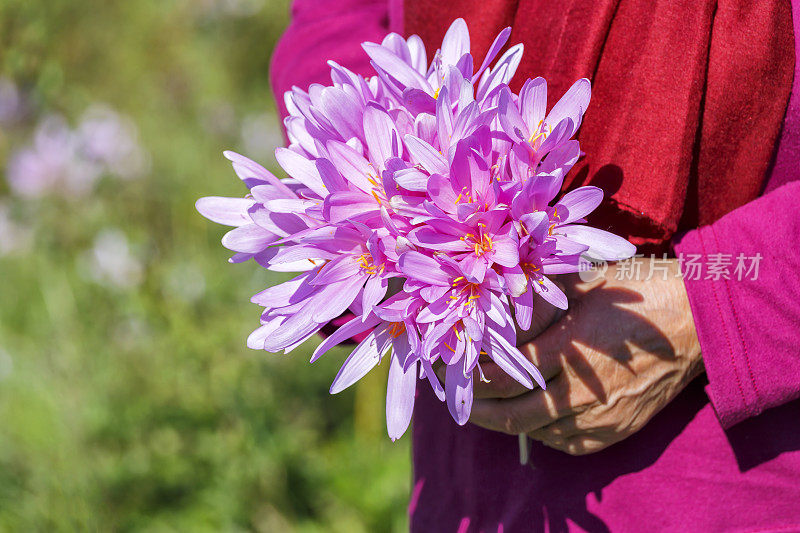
[{"x": 723, "y": 456}]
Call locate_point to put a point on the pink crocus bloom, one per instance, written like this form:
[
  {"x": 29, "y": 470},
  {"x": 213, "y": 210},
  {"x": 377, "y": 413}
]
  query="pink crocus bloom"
[{"x": 435, "y": 175}]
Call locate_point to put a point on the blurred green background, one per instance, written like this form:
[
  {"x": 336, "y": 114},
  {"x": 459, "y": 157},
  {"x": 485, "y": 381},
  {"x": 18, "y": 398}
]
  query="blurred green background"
[{"x": 128, "y": 400}]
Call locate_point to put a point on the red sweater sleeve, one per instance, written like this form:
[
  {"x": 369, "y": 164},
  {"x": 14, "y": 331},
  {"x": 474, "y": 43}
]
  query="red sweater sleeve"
[
  {"x": 748, "y": 324},
  {"x": 325, "y": 30}
]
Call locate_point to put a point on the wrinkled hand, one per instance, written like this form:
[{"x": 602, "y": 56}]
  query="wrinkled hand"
[{"x": 623, "y": 351}]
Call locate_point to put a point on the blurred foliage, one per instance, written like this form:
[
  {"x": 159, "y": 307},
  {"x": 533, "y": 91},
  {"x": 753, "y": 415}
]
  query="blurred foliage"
[{"x": 140, "y": 408}]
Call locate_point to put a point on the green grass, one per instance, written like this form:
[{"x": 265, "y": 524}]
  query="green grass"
[{"x": 141, "y": 408}]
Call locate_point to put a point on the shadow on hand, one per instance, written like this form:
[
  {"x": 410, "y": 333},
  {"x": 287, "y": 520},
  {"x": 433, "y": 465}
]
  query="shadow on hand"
[{"x": 605, "y": 341}]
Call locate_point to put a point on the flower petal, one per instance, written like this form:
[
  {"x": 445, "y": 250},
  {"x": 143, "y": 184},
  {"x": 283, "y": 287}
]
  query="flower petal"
[
  {"x": 474, "y": 267},
  {"x": 506, "y": 355},
  {"x": 335, "y": 298},
  {"x": 374, "y": 291},
  {"x": 255, "y": 341},
  {"x": 516, "y": 280},
  {"x": 400, "y": 392},
  {"x": 343, "y": 112},
  {"x": 458, "y": 390},
  {"x": 351, "y": 165},
  {"x": 572, "y": 105},
  {"x": 550, "y": 292},
  {"x": 505, "y": 250},
  {"x": 423, "y": 268},
  {"x": 345, "y": 205},
  {"x": 511, "y": 119},
  {"x": 329, "y": 174},
  {"x": 363, "y": 359},
  {"x": 579, "y": 203},
  {"x": 455, "y": 42},
  {"x": 412, "y": 179},
  {"x": 428, "y": 237},
  {"x": 494, "y": 49},
  {"x": 286, "y": 293},
  {"x": 533, "y": 101},
  {"x": 426, "y": 155},
  {"x": 388, "y": 61},
  {"x": 248, "y": 239},
  {"x": 433, "y": 379},
  {"x": 339, "y": 269},
  {"x": 418, "y": 101},
  {"x": 602, "y": 244},
  {"x": 281, "y": 224},
  {"x": 301, "y": 169},
  {"x": 383, "y": 140},
  {"x": 523, "y": 309},
  {"x": 296, "y": 328},
  {"x": 253, "y": 174},
  {"x": 227, "y": 211},
  {"x": 290, "y": 205},
  {"x": 347, "y": 331},
  {"x": 416, "y": 50}
]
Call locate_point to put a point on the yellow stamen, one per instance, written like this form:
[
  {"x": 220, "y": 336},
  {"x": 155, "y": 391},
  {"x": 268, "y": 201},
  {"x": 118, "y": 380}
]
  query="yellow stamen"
[
  {"x": 536, "y": 136},
  {"x": 539, "y": 132},
  {"x": 365, "y": 260},
  {"x": 396, "y": 329}
]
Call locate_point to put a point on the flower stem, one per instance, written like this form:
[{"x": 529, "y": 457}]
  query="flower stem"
[{"x": 524, "y": 449}]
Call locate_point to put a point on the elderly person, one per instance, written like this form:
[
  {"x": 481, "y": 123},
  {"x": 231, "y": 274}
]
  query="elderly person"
[{"x": 672, "y": 402}]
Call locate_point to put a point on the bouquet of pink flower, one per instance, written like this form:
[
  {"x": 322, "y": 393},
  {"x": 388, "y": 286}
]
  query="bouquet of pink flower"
[{"x": 437, "y": 175}]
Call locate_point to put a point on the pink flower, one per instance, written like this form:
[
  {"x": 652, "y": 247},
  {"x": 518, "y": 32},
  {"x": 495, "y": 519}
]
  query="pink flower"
[{"x": 438, "y": 176}]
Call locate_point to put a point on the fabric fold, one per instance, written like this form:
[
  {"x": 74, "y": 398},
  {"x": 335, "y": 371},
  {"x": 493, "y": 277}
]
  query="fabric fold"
[{"x": 748, "y": 319}]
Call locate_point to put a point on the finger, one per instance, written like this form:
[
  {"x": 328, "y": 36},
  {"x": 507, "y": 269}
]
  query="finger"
[
  {"x": 575, "y": 445},
  {"x": 580, "y": 444},
  {"x": 495, "y": 383},
  {"x": 545, "y": 354},
  {"x": 545, "y": 351},
  {"x": 564, "y": 445},
  {"x": 550, "y": 440},
  {"x": 544, "y": 315},
  {"x": 576, "y": 285},
  {"x": 524, "y": 413},
  {"x": 583, "y": 445},
  {"x": 490, "y": 381},
  {"x": 555, "y": 442},
  {"x": 560, "y": 429}
]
